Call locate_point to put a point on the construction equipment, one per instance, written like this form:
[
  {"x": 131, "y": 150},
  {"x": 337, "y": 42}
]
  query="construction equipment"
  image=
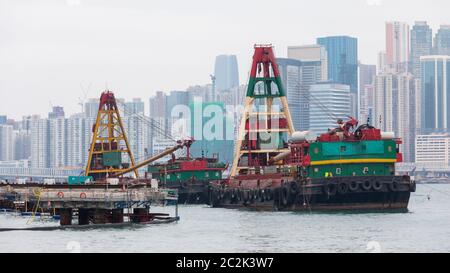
[
  {"x": 262, "y": 133},
  {"x": 109, "y": 143},
  {"x": 180, "y": 145}
]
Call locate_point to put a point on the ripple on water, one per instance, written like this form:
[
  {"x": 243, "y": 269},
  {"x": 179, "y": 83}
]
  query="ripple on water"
[{"x": 202, "y": 229}]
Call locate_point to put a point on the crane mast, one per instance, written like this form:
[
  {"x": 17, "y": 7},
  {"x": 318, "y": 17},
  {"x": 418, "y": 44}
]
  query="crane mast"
[{"x": 110, "y": 143}]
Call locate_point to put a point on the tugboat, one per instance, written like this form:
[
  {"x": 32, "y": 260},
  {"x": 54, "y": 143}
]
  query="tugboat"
[
  {"x": 190, "y": 176},
  {"x": 350, "y": 167}
]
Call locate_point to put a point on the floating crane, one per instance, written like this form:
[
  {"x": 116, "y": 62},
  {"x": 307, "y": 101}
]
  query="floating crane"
[
  {"x": 110, "y": 143},
  {"x": 261, "y": 132}
]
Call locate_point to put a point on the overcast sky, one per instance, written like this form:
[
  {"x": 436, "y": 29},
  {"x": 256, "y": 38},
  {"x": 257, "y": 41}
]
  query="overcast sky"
[{"x": 49, "y": 48}]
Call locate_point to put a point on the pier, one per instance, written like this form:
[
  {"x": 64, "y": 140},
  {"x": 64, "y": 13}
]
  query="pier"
[{"x": 93, "y": 204}]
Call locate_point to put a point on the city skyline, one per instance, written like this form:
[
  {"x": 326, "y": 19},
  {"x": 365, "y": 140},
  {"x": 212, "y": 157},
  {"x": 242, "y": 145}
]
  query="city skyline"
[{"x": 53, "y": 59}]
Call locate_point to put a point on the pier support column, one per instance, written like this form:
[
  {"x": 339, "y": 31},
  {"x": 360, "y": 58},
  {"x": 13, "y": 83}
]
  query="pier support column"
[
  {"x": 65, "y": 217},
  {"x": 83, "y": 217},
  {"x": 117, "y": 215},
  {"x": 140, "y": 215},
  {"x": 101, "y": 216}
]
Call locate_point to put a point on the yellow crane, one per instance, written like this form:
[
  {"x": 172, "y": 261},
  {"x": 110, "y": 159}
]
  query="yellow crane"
[{"x": 110, "y": 142}]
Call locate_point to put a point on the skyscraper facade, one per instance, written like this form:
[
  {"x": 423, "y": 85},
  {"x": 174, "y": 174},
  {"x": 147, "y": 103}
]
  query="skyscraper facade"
[
  {"x": 297, "y": 77},
  {"x": 329, "y": 102},
  {"x": 39, "y": 143},
  {"x": 442, "y": 41},
  {"x": 226, "y": 72},
  {"x": 397, "y": 46},
  {"x": 366, "y": 77},
  {"x": 57, "y": 142},
  {"x": 435, "y": 94},
  {"x": 57, "y": 112},
  {"x": 395, "y": 108},
  {"x": 215, "y": 145},
  {"x": 136, "y": 106},
  {"x": 342, "y": 56},
  {"x": 3, "y": 120},
  {"x": 433, "y": 149},
  {"x": 174, "y": 101},
  {"x": 311, "y": 54},
  {"x": 6, "y": 143},
  {"x": 342, "y": 52},
  {"x": 421, "y": 45},
  {"x": 76, "y": 144},
  {"x": 157, "y": 110}
]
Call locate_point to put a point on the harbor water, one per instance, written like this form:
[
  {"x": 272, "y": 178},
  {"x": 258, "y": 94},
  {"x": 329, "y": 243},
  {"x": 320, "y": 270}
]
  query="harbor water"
[{"x": 425, "y": 228}]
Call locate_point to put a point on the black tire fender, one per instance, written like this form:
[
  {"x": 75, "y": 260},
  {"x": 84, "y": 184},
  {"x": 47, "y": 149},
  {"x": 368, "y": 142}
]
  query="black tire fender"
[
  {"x": 293, "y": 188},
  {"x": 342, "y": 187},
  {"x": 353, "y": 186},
  {"x": 394, "y": 186},
  {"x": 377, "y": 185},
  {"x": 366, "y": 185},
  {"x": 330, "y": 189}
]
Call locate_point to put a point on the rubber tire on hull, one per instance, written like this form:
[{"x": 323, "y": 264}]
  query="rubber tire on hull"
[
  {"x": 394, "y": 186},
  {"x": 353, "y": 186},
  {"x": 342, "y": 188},
  {"x": 366, "y": 185},
  {"x": 293, "y": 188},
  {"x": 377, "y": 185},
  {"x": 330, "y": 189}
]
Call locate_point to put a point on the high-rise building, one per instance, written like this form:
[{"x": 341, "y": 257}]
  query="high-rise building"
[
  {"x": 435, "y": 94},
  {"x": 134, "y": 107},
  {"x": 157, "y": 112},
  {"x": 290, "y": 72},
  {"x": 395, "y": 108},
  {"x": 421, "y": 45},
  {"x": 3, "y": 120},
  {"x": 76, "y": 143},
  {"x": 57, "y": 112},
  {"x": 22, "y": 144},
  {"x": 312, "y": 63},
  {"x": 176, "y": 102},
  {"x": 226, "y": 72},
  {"x": 57, "y": 142},
  {"x": 6, "y": 143},
  {"x": 157, "y": 105},
  {"x": 382, "y": 62},
  {"x": 137, "y": 131},
  {"x": 366, "y": 111},
  {"x": 433, "y": 149},
  {"x": 312, "y": 54},
  {"x": 367, "y": 73},
  {"x": 397, "y": 46},
  {"x": 39, "y": 143},
  {"x": 342, "y": 52},
  {"x": 210, "y": 140},
  {"x": 442, "y": 41},
  {"x": 205, "y": 92},
  {"x": 297, "y": 77},
  {"x": 366, "y": 78},
  {"x": 91, "y": 108},
  {"x": 328, "y": 103}
]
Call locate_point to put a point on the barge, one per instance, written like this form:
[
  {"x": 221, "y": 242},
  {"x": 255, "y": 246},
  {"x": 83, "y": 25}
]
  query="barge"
[{"x": 350, "y": 167}]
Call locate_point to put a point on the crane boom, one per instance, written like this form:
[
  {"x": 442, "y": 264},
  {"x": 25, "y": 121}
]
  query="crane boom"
[{"x": 179, "y": 145}]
